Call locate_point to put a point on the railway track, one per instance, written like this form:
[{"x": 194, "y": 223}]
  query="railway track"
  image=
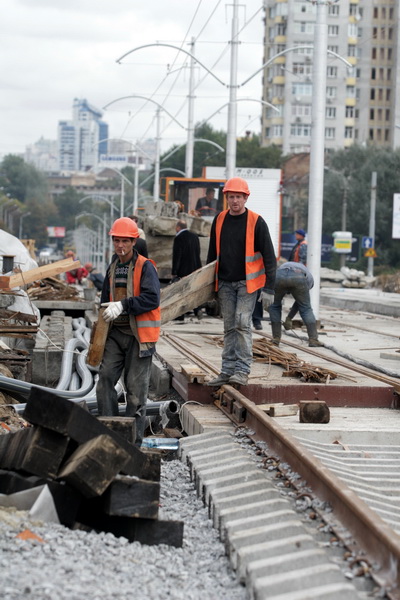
[{"x": 358, "y": 483}]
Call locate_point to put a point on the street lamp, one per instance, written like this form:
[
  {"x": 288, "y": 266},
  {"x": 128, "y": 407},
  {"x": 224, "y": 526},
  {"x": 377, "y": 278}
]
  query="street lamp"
[
  {"x": 22, "y": 217},
  {"x": 104, "y": 237},
  {"x": 101, "y": 198}
]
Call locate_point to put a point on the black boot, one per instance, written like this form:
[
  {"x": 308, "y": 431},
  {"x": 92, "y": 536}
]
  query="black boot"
[
  {"x": 313, "y": 335},
  {"x": 276, "y": 333}
]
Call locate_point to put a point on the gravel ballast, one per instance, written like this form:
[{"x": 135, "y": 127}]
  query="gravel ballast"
[{"x": 71, "y": 565}]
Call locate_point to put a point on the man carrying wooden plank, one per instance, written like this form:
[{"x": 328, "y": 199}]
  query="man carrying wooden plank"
[
  {"x": 241, "y": 244},
  {"x": 131, "y": 297}
]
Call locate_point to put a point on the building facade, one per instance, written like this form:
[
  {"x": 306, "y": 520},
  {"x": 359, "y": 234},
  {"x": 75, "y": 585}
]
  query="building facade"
[
  {"x": 78, "y": 140},
  {"x": 362, "y": 103}
]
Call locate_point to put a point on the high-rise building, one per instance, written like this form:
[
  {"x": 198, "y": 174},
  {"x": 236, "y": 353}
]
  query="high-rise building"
[
  {"x": 42, "y": 154},
  {"x": 78, "y": 140},
  {"x": 362, "y": 104}
]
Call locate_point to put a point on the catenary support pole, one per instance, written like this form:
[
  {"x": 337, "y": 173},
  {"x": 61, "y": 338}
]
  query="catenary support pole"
[
  {"x": 190, "y": 127},
  {"x": 316, "y": 185},
  {"x": 372, "y": 222},
  {"x": 232, "y": 106}
]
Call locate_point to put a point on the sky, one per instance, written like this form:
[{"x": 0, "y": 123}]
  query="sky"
[{"x": 53, "y": 51}]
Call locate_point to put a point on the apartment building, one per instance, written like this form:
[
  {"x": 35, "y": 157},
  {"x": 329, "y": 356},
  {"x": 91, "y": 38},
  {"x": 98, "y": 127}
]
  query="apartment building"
[
  {"x": 362, "y": 103},
  {"x": 78, "y": 140}
]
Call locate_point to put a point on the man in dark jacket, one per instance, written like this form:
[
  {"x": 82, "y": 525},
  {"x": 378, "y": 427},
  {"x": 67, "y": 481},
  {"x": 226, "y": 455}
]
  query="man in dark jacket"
[{"x": 185, "y": 256}]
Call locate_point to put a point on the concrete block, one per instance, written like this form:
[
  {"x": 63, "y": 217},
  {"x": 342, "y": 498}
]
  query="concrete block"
[
  {"x": 221, "y": 482},
  {"x": 200, "y": 419},
  {"x": 202, "y": 476},
  {"x": 282, "y": 563},
  {"x": 330, "y": 591},
  {"x": 255, "y": 535},
  {"x": 236, "y": 506},
  {"x": 203, "y": 445},
  {"x": 296, "y": 580},
  {"x": 49, "y": 348},
  {"x": 270, "y": 549},
  {"x": 224, "y": 495}
]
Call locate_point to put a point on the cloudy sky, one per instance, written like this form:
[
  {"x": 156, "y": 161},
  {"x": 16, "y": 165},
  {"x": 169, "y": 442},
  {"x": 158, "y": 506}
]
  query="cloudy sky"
[{"x": 53, "y": 51}]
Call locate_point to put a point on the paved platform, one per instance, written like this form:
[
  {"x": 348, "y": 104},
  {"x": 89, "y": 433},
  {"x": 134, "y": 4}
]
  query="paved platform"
[{"x": 369, "y": 338}]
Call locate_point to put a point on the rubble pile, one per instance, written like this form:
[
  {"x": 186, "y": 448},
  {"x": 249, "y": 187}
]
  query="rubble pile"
[
  {"x": 51, "y": 288},
  {"x": 97, "y": 478}
]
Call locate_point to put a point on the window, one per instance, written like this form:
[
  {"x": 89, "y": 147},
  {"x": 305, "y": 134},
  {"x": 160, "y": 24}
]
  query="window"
[
  {"x": 389, "y": 54},
  {"x": 302, "y": 69},
  {"x": 352, "y": 30},
  {"x": 387, "y": 132},
  {"x": 331, "y": 72},
  {"x": 380, "y": 94},
  {"x": 349, "y": 112},
  {"x": 331, "y": 92},
  {"x": 330, "y": 133},
  {"x": 330, "y": 112},
  {"x": 334, "y": 49},
  {"x": 301, "y": 110},
  {"x": 390, "y": 13},
  {"x": 379, "y": 114},
  {"x": 300, "y": 130},
  {"x": 307, "y": 51},
  {"x": 387, "y": 115},
  {"x": 304, "y": 27},
  {"x": 358, "y": 73},
  {"x": 382, "y": 53},
  {"x": 371, "y": 114},
  {"x": 373, "y": 73},
  {"x": 302, "y": 89},
  {"x": 382, "y": 74},
  {"x": 277, "y": 131},
  {"x": 375, "y": 33},
  {"x": 333, "y": 10},
  {"x": 379, "y": 134},
  {"x": 388, "y": 74},
  {"x": 375, "y": 12},
  {"x": 355, "y": 10},
  {"x": 350, "y": 91},
  {"x": 267, "y": 132},
  {"x": 390, "y": 33},
  {"x": 387, "y": 95},
  {"x": 348, "y": 133},
  {"x": 281, "y": 8},
  {"x": 333, "y": 30},
  {"x": 351, "y": 50},
  {"x": 371, "y": 134},
  {"x": 373, "y": 54},
  {"x": 280, "y": 29},
  {"x": 383, "y": 12}
]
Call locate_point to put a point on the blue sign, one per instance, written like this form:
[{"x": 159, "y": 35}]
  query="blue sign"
[{"x": 367, "y": 242}]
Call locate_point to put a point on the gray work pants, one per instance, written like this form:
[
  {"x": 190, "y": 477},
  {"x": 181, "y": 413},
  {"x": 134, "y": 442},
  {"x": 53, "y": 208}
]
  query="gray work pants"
[{"x": 121, "y": 353}]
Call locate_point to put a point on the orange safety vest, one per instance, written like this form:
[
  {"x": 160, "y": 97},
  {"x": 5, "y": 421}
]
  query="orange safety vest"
[
  {"x": 296, "y": 256},
  {"x": 149, "y": 323},
  {"x": 254, "y": 263}
]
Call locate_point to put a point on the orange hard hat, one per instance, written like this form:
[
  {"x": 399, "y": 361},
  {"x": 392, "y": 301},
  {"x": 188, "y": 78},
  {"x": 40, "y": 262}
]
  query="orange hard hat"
[
  {"x": 124, "y": 227},
  {"x": 236, "y": 184},
  {"x": 88, "y": 266},
  {"x": 70, "y": 253}
]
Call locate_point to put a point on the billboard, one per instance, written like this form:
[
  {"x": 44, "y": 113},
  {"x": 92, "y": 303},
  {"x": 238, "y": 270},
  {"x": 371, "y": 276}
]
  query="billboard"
[{"x": 56, "y": 232}]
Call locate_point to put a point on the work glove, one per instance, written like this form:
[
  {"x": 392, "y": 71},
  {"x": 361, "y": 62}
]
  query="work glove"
[
  {"x": 266, "y": 299},
  {"x": 113, "y": 310}
]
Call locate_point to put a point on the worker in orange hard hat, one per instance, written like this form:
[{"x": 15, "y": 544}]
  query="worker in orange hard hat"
[
  {"x": 131, "y": 299},
  {"x": 94, "y": 276},
  {"x": 241, "y": 245}
]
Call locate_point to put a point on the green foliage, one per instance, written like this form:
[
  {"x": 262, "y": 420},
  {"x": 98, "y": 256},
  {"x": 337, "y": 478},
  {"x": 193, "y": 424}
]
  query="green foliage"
[
  {"x": 357, "y": 164},
  {"x": 68, "y": 207},
  {"x": 21, "y": 180}
]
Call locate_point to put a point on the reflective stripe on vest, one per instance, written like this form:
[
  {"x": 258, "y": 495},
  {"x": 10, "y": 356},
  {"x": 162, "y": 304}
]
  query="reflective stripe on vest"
[
  {"x": 148, "y": 323},
  {"x": 254, "y": 263}
]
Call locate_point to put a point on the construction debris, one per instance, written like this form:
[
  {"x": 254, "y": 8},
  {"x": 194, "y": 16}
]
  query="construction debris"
[
  {"x": 265, "y": 351},
  {"x": 51, "y": 288},
  {"x": 96, "y": 477}
]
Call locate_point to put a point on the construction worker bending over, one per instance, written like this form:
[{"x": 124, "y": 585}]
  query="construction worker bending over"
[
  {"x": 241, "y": 244},
  {"x": 131, "y": 297},
  {"x": 293, "y": 278}
]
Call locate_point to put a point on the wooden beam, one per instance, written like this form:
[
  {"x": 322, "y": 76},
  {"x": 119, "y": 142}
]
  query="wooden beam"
[
  {"x": 188, "y": 293},
  {"x": 20, "y": 279}
]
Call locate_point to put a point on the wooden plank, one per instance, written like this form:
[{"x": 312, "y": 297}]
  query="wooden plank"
[
  {"x": 128, "y": 497},
  {"x": 188, "y": 293},
  {"x": 20, "y": 279},
  {"x": 93, "y": 466},
  {"x": 97, "y": 340}
]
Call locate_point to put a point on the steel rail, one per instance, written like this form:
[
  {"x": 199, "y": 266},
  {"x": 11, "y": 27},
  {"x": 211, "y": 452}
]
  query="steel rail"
[
  {"x": 361, "y": 328},
  {"x": 373, "y": 535},
  {"x": 178, "y": 344}
]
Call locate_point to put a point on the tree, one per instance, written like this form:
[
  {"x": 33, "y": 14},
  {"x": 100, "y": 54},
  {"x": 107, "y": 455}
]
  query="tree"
[
  {"x": 20, "y": 180},
  {"x": 67, "y": 204},
  {"x": 357, "y": 164}
]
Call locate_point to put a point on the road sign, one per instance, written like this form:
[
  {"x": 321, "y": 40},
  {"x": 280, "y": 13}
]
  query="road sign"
[
  {"x": 370, "y": 253},
  {"x": 367, "y": 242}
]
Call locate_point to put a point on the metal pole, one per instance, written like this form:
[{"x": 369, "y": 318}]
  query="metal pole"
[
  {"x": 344, "y": 217},
  {"x": 156, "y": 187},
  {"x": 316, "y": 181},
  {"x": 122, "y": 209},
  {"x": 190, "y": 128},
  {"x": 372, "y": 222},
  {"x": 232, "y": 106},
  {"x": 136, "y": 185}
]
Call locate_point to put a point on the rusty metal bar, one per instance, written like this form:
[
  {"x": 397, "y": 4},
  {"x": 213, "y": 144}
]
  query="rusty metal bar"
[{"x": 372, "y": 534}]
